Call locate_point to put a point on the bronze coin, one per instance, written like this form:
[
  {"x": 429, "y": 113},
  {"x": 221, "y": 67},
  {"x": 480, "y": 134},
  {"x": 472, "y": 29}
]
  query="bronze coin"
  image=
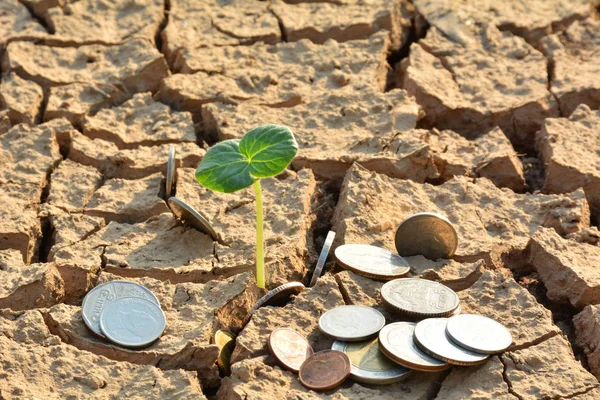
[
  {"x": 325, "y": 370},
  {"x": 289, "y": 348}
]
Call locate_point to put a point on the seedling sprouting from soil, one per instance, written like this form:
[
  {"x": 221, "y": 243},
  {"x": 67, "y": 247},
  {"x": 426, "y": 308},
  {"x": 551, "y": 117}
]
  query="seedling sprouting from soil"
[{"x": 233, "y": 165}]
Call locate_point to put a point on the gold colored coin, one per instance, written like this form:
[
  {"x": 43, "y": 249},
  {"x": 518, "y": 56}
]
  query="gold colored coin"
[{"x": 225, "y": 341}]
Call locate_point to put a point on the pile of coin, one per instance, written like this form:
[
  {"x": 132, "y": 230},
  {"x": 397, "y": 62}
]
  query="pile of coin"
[
  {"x": 125, "y": 313},
  {"x": 430, "y": 333}
]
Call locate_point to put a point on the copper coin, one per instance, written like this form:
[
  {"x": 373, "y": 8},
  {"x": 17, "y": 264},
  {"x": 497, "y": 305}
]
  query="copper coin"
[
  {"x": 371, "y": 261},
  {"x": 289, "y": 347},
  {"x": 325, "y": 370},
  {"x": 281, "y": 292},
  {"x": 428, "y": 234}
]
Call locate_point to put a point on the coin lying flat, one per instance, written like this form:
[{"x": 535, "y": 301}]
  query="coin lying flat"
[
  {"x": 322, "y": 258},
  {"x": 132, "y": 322},
  {"x": 351, "y": 323},
  {"x": 368, "y": 364},
  {"x": 226, "y": 343},
  {"x": 371, "y": 261},
  {"x": 96, "y": 300},
  {"x": 430, "y": 336},
  {"x": 325, "y": 370},
  {"x": 428, "y": 234},
  {"x": 289, "y": 348},
  {"x": 171, "y": 173},
  {"x": 397, "y": 342},
  {"x": 190, "y": 216},
  {"x": 419, "y": 297},
  {"x": 272, "y": 297},
  {"x": 478, "y": 333}
]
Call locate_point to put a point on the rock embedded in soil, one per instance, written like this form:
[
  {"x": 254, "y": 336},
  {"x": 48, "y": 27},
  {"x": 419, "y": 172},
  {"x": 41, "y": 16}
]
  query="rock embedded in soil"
[
  {"x": 504, "y": 83},
  {"x": 130, "y": 164},
  {"x": 234, "y": 74},
  {"x": 36, "y": 364},
  {"x": 287, "y": 203},
  {"x": 22, "y": 99},
  {"x": 301, "y": 314},
  {"x": 134, "y": 66},
  {"x": 128, "y": 201},
  {"x": 192, "y": 311},
  {"x": 28, "y": 286},
  {"x": 574, "y": 56},
  {"x": 89, "y": 22},
  {"x": 140, "y": 121},
  {"x": 489, "y": 221},
  {"x": 547, "y": 370},
  {"x": 568, "y": 148},
  {"x": 258, "y": 378},
  {"x": 343, "y": 21},
  {"x": 219, "y": 23},
  {"x": 587, "y": 336},
  {"x": 567, "y": 268},
  {"x": 498, "y": 296},
  {"x": 479, "y": 382}
]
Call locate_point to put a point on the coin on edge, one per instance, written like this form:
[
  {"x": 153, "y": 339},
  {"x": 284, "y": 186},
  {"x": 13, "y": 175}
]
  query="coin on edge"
[
  {"x": 428, "y": 234},
  {"x": 371, "y": 261},
  {"x": 351, "y": 323},
  {"x": 170, "y": 177},
  {"x": 96, "y": 300},
  {"x": 132, "y": 322},
  {"x": 225, "y": 341},
  {"x": 368, "y": 364},
  {"x": 186, "y": 213},
  {"x": 430, "y": 336},
  {"x": 280, "y": 292},
  {"x": 478, "y": 333},
  {"x": 289, "y": 348},
  {"x": 325, "y": 370},
  {"x": 322, "y": 258},
  {"x": 419, "y": 297},
  {"x": 397, "y": 342}
]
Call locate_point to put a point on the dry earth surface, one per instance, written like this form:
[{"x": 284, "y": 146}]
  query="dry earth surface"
[{"x": 484, "y": 111}]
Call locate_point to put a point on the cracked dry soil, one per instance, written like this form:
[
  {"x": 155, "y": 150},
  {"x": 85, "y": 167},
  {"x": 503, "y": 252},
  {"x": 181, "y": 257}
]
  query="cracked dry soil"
[{"x": 484, "y": 111}]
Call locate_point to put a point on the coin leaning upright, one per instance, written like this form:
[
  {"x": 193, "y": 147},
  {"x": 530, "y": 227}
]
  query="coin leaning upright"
[
  {"x": 325, "y": 370},
  {"x": 430, "y": 336},
  {"x": 369, "y": 364},
  {"x": 371, "y": 261},
  {"x": 186, "y": 213},
  {"x": 171, "y": 173},
  {"x": 100, "y": 296},
  {"x": 479, "y": 333},
  {"x": 419, "y": 297},
  {"x": 428, "y": 234},
  {"x": 322, "y": 258},
  {"x": 351, "y": 323},
  {"x": 397, "y": 342},
  {"x": 132, "y": 322}
]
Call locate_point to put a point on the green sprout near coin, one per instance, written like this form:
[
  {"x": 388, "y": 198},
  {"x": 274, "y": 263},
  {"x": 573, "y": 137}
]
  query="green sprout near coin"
[{"x": 234, "y": 165}]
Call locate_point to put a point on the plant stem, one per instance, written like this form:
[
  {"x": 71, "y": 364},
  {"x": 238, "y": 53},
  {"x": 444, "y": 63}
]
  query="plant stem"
[{"x": 260, "y": 249}]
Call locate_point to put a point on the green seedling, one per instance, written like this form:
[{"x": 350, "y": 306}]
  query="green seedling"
[{"x": 233, "y": 165}]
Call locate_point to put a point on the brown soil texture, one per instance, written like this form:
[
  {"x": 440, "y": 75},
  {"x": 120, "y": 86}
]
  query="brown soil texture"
[{"x": 484, "y": 111}]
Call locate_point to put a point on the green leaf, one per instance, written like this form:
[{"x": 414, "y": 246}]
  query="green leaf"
[{"x": 235, "y": 164}]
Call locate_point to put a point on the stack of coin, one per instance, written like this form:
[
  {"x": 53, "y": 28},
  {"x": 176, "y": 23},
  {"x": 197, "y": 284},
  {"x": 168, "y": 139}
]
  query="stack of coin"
[{"x": 123, "y": 312}]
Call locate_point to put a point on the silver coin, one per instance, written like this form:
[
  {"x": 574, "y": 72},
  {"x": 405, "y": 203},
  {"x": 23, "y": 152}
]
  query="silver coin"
[
  {"x": 132, "y": 322},
  {"x": 397, "y": 342},
  {"x": 372, "y": 261},
  {"x": 419, "y": 297},
  {"x": 96, "y": 300},
  {"x": 430, "y": 336},
  {"x": 368, "y": 364},
  {"x": 478, "y": 333},
  {"x": 351, "y": 323},
  {"x": 428, "y": 234},
  {"x": 171, "y": 173},
  {"x": 322, "y": 258},
  {"x": 273, "y": 296},
  {"x": 190, "y": 216}
]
